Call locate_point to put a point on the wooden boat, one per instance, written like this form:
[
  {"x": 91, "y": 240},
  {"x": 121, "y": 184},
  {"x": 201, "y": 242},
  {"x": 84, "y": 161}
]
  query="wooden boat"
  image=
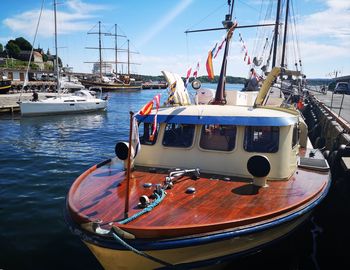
[
  {"x": 122, "y": 84},
  {"x": 5, "y": 85},
  {"x": 109, "y": 81},
  {"x": 216, "y": 181}
]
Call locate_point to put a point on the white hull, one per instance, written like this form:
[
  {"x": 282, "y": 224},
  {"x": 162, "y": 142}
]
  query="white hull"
[
  {"x": 81, "y": 102},
  {"x": 44, "y": 108}
]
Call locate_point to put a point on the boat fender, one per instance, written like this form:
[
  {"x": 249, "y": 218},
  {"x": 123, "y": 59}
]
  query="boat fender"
[
  {"x": 122, "y": 233},
  {"x": 196, "y": 84},
  {"x": 326, "y": 154},
  {"x": 259, "y": 167}
]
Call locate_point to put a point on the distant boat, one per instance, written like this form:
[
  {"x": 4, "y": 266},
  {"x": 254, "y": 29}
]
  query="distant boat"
[
  {"x": 81, "y": 101},
  {"x": 5, "y": 85},
  {"x": 108, "y": 80},
  {"x": 200, "y": 184}
]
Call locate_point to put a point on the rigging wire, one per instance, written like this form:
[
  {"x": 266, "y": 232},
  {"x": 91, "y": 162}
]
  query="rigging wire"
[
  {"x": 31, "y": 52},
  {"x": 207, "y": 16}
]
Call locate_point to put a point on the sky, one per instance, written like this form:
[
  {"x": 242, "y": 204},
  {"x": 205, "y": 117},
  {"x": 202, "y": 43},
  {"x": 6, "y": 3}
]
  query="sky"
[{"x": 319, "y": 34}]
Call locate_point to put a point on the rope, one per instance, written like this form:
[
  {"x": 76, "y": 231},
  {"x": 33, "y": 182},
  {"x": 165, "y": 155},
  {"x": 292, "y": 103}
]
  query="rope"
[
  {"x": 141, "y": 253},
  {"x": 158, "y": 199},
  {"x": 147, "y": 209}
]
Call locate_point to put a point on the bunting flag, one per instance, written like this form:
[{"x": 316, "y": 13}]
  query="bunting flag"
[
  {"x": 209, "y": 66},
  {"x": 220, "y": 47},
  {"x": 214, "y": 50},
  {"x": 245, "y": 50},
  {"x": 195, "y": 73},
  {"x": 135, "y": 138},
  {"x": 188, "y": 75}
]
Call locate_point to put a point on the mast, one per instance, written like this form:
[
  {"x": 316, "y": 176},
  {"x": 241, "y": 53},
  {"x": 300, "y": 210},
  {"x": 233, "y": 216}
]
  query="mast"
[
  {"x": 116, "y": 48},
  {"x": 220, "y": 96},
  {"x": 285, "y": 35},
  {"x": 100, "y": 47},
  {"x": 56, "y": 50},
  {"x": 128, "y": 57},
  {"x": 276, "y": 33}
]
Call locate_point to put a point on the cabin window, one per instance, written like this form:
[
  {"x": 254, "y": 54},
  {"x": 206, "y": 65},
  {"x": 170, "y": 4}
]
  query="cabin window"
[
  {"x": 218, "y": 137},
  {"x": 295, "y": 138},
  {"x": 145, "y": 131},
  {"x": 178, "y": 135},
  {"x": 262, "y": 139}
]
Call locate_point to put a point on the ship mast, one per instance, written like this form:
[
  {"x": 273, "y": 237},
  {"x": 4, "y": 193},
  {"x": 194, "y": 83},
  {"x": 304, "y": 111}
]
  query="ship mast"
[
  {"x": 276, "y": 34},
  {"x": 229, "y": 26},
  {"x": 285, "y": 35},
  {"x": 56, "y": 50}
]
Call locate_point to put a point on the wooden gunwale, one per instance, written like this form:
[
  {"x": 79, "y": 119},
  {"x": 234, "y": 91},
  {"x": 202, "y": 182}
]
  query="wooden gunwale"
[{"x": 99, "y": 194}]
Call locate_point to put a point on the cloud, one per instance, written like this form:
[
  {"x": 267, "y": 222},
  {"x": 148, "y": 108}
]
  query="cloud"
[
  {"x": 75, "y": 18},
  {"x": 165, "y": 21},
  {"x": 332, "y": 22}
]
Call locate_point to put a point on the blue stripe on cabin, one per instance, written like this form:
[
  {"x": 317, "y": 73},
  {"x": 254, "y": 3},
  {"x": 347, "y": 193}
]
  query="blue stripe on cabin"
[{"x": 222, "y": 120}]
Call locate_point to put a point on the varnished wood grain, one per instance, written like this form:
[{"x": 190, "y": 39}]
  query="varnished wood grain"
[{"x": 217, "y": 204}]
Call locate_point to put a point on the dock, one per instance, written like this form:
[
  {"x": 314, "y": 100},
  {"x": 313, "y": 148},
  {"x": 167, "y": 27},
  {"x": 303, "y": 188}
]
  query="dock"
[
  {"x": 339, "y": 104},
  {"x": 154, "y": 85},
  {"x": 8, "y": 102}
]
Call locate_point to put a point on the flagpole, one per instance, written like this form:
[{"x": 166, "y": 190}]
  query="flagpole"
[{"x": 128, "y": 170}]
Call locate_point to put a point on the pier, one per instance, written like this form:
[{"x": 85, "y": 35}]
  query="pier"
[{"x": 8, "y": 102}]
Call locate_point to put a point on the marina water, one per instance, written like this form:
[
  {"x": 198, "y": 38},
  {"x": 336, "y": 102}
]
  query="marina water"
[{"x": 40, "y": 157}]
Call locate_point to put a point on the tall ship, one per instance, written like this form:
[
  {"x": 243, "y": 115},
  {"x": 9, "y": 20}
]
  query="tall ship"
[{"x": 102, "y": 73}]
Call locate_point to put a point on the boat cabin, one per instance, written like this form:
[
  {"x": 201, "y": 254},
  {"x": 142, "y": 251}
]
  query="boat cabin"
[{"x": 195, "y": 136}]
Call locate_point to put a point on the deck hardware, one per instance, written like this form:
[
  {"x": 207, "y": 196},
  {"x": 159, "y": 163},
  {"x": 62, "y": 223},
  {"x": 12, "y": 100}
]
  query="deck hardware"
[
  {"x": 158, "y": 189},
  {"x": 190, "y": 190},
  {"x": 147, "y": 185},
  {"x": 144, "y": 201}
]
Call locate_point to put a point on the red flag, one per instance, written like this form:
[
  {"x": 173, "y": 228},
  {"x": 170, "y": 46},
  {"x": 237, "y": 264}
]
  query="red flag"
[
  {"x": 219, "y": 48},
  {"x": 188, "y": 76},
  {"x": 157, "y": 100},
  {"x": 209, "y": 65},
  {"x": 195, "y": 73},
  {"x": 146, "y": 110}
]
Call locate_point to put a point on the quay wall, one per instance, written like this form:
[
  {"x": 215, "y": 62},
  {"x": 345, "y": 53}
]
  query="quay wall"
[{"x": 330, "y": 134}]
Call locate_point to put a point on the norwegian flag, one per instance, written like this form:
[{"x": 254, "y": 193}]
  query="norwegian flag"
[
  {"x": 220, "y": 47},
  {"x": 188, "y": 75},
  {"x": 195, "y": 73}
]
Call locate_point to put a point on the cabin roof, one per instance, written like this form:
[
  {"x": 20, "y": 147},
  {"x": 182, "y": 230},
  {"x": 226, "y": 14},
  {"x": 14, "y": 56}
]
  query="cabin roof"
[{"x": 218, "y": 114}]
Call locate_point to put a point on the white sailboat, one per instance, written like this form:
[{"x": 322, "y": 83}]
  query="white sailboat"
[{"x": 81, "y": 101}]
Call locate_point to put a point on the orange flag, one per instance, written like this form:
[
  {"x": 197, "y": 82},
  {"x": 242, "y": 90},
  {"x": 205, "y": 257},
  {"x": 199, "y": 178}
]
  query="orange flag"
[{"x": 209, "y": 65}]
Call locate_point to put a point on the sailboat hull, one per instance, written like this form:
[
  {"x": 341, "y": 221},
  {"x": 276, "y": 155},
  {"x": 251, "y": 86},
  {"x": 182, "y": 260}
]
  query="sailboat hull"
[{"x": 47, "y": 108}]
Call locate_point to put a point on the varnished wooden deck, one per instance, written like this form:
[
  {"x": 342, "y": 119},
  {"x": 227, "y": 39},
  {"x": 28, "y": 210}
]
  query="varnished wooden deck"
[{"x": 217, "y": 204}]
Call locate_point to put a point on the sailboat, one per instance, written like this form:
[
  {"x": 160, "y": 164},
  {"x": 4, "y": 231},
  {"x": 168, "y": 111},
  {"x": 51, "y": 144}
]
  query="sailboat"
[
  {"x": 118, "y": 81},
  {"x": 200, "y": 184},
  {"x": 83, "y": 100}
]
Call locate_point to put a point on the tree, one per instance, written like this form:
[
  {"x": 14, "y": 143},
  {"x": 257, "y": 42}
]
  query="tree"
[
  {"x": 12, "y": 49},
  {"x": 1, "y": 48},
  {"x": 23, "y": 44}
]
